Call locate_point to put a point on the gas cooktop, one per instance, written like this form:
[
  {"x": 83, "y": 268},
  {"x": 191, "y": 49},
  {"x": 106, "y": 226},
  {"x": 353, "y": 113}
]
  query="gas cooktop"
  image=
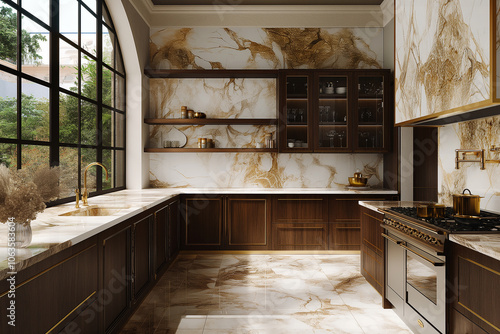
[{"x": 485, "y": 223}]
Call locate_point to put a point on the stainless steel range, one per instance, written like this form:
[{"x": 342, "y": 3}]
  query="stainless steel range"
[{"x": 416, "y": 262}]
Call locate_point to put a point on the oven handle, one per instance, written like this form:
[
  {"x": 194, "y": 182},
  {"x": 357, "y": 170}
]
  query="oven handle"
[
  {"x": 397, "y": 242},
  {"x": 435, "y": 264}
]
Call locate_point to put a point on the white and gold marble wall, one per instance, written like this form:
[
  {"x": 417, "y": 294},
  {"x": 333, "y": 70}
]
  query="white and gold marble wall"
[
  {"x": 477, "y": 134},
  {"x": 442, "y": 56},
  {"x": 262, "y": 170},
  {"x": 265, "y": 48}
]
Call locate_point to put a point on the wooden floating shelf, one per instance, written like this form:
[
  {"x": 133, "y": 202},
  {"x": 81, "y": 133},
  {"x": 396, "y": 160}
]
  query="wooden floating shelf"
[
  {"x": 201, "y": 74},
  {"x": 211, "y": 121},
  {"x": 211, "y": 150}
]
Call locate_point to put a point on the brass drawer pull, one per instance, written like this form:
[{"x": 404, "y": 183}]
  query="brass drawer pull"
[{"x": 435, "y": 264}]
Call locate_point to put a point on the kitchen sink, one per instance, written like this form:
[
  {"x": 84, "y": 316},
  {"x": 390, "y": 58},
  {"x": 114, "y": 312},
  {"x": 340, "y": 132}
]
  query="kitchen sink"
[{"x": 94, "y": 211}]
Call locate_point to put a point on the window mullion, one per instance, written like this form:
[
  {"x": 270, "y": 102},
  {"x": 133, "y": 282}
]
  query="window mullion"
[{"x": 54, "y": 83}]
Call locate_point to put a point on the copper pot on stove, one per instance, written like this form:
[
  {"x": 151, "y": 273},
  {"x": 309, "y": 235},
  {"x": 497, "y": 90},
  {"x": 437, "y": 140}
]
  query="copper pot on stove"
[
  {"x": 466, "y": 204},
  {"x": 431, "y": 210}
]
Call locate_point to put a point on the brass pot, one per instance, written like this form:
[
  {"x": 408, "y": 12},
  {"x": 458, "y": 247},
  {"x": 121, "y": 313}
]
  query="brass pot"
[
  {"x": 358, "y": 181},
  {"x": 431, "y": 210},
  {"x": 466, "y": 204}
]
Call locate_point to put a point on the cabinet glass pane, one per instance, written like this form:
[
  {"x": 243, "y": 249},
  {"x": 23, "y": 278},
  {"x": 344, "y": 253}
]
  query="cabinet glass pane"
[
  {"x": 370, "y": 113},
  {"x": 296, "y": 112},
  {"x": 332, "y": 112}
]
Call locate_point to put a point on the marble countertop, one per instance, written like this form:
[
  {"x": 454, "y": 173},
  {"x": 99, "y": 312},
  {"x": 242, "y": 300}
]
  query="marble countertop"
[
  {"x": 53, "y": 233},
  {"x": 487, "y": 244}
]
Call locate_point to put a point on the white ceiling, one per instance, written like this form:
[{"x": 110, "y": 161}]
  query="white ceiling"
[{"x": 270, "y": 2}]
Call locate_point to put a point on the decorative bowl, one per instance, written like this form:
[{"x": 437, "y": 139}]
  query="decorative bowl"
[{"x": 358, "y": 181}]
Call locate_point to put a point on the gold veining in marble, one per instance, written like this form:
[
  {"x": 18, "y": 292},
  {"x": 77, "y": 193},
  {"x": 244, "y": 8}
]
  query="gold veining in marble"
[
  {"x": 476, "y": 134},
  {"x": 442, "y": 56},
  {"x": 226, "y": 293},
  {"x": 273, "y": 48}
]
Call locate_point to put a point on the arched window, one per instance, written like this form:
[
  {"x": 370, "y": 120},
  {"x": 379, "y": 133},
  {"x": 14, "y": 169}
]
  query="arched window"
[{"x": 62, "y": 91}]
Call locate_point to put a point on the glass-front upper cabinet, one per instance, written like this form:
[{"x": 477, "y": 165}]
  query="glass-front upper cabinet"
[
  {"x": 331, "y": 111},
  {"x": 295, "y": 117},
  {"x": 371, "y": 118}
]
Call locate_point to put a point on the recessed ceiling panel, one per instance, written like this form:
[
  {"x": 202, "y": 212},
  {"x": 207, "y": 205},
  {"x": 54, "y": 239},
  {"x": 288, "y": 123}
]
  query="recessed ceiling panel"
[{"x": 268, "y": 2}]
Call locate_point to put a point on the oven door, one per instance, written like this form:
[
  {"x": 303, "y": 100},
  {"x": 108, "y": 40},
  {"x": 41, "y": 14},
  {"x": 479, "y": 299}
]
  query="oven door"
[{"x": 425, "y": 284}]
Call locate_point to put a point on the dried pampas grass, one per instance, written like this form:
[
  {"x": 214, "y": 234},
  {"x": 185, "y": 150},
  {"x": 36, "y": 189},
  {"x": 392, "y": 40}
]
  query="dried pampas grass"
[{"x": 22, "y": 196}]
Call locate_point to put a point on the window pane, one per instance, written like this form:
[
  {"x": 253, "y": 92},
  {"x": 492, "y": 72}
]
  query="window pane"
[
  {"x": 68, "y": 66},
  {"x": 119, "y": 129},
  {"x": 88, "y": 156},
  {"x": 107, "y": 160},
  {"x": 39, "y": 8},
  {"x": 8, "y": 155},
  {"x": 8, "y": 46},
  {"x": 89, "y": 28},
  {"x": 68, "y": 164},
  {"x": 120, "y": 93},
  {"x": 120, "y": 169},
  {"x": 106, "y": 17},
  {"x": 8, "y": 105},
  {"x": 91, "y": 4},
  {"x": 107, "y": 87},
  {"x": 34, "y": 156},
  {"x": 107, "y": 127},
  {"x": 35, "y": 53},
  {"x": 108, "y": 40},
  {"x": 34, "y": 111},
  {"x": 89, "y": 123},
  {"x": 68, "y": 119},
  {"x": 68, "y": 19},
  {"x": 89, "y": 77}
]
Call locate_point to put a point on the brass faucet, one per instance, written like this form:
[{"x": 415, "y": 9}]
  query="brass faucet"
[{"x": 85, "y": 192}]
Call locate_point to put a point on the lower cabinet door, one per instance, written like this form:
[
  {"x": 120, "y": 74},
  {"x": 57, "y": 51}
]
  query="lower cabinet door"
[
  {"x": 116, "y": 267},
  {"x": 173, "y": 230},
  {"x": 161, "y": 238},
  {"x": 300, "y": 236},
  {"x": 202, "y": 222},
  {"x": 247, "y": 223},
  {"x": 345, "y": 236},
  {"x": 142, "y": 255}
]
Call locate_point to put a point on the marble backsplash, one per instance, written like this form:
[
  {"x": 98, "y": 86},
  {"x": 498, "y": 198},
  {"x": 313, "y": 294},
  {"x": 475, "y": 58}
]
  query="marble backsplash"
[
  {"x": 262, "y": 170},
  {"x": 476, "y": 134},
  {"x": 442, "y": 56},
  {"x": 266, "y": 48}
]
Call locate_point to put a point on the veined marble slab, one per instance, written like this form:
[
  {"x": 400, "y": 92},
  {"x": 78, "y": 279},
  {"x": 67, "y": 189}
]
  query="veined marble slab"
[
  {"x": 265, "y": 48},
  {"x": 476, "y": 134},
  {"x": 442, "y": 56},
  {"x": 381, "y": 205},
  {"x": 487, "y": 244},
  {"x": 53, "y": 233}
]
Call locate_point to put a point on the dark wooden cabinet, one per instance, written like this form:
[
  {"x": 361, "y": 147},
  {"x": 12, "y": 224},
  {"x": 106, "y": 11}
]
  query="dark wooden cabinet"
[
  {"x": 116, "y": 248},
  {"x": 372, "y": 248},
  {"x": 202, "y": 226},
  {"x": 51, "y": 294},
  {"x": 335, "y": 111},
  {"x": 142, "y": 255},
  {"x": 345, "y": 226},
  {"x": 226, "y": 222},
  {"x": 247, "y": 222},
  {"x": 300, "y": 222},
  {"x": 173, "y": 229},
  {"x": 472, "y": 291},
  {"x": 161, "y": 227}
]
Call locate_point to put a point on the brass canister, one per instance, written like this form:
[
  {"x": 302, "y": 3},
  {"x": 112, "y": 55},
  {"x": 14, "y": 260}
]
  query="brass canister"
[{"x": 466, "y": 204}]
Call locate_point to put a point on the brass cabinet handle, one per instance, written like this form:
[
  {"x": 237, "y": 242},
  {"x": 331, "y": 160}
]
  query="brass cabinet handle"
[{"x": 435, "y": 264}]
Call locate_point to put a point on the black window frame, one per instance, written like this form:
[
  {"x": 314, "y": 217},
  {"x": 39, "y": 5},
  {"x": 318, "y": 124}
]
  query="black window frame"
[{"x": 117, "y": 69}]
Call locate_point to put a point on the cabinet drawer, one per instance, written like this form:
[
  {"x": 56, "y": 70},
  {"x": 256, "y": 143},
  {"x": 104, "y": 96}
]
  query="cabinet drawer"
[
  {"x": 300, "y": 236},
  {"x": 345, "y": 236},
  {"x": 300, "y": 209}
]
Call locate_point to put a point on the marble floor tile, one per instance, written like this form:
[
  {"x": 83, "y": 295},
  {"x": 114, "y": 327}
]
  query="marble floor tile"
[{"x": 240, "y": 293}]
